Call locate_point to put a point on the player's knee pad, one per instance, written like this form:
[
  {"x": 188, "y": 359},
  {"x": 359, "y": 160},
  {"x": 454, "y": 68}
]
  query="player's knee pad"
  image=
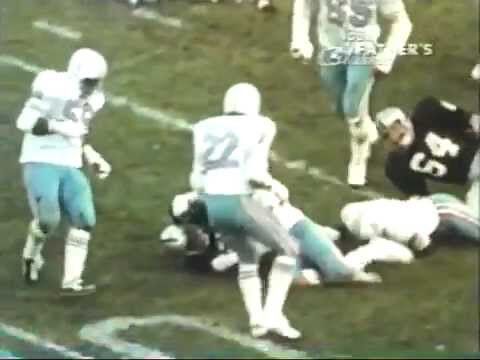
[
  {"x": 38, "y": 232},
  {"x": 85, "y": 220},
  {"x": 48, "y": 222}
]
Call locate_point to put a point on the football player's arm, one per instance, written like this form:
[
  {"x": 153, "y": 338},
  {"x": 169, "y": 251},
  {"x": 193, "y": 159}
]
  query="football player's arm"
[
  {"x": 196, "y": 176},
  {"x": 96, "y": 160},
  {"x": 33, "y": 117},
  {"x": 258, "y": 165},
  {"x": 400, "y": 29},
  {"x": 301, "y": 45},
  {"x": 258, "y": 162},
  {"x": 398, "y": 171}
]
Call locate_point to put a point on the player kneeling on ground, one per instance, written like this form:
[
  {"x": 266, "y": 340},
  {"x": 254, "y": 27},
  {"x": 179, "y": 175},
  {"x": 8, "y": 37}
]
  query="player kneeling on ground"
[
  {"x": 56, "y": 120},
  {"x": 440, "y": 141},
  {"x": 415, "y": 224}
]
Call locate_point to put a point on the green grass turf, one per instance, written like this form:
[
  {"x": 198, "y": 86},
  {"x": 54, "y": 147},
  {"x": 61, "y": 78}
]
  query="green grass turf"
[{"x": 419, "y": 308}]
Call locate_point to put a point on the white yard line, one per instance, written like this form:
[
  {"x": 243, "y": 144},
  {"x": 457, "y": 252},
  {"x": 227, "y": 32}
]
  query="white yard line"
[
  {"x": 175, "y": 123},
  {"x": 105, "y": 333},
  {"x": 136, "y": 61},
  {"x": 147, "y": 14},
  {"x": 58, "y": 30},
  {"x": 39, "y": 342}
]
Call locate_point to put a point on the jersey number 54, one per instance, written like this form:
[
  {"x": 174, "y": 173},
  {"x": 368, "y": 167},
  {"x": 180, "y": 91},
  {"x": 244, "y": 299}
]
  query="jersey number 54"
[{"x": 440, "y": 148}]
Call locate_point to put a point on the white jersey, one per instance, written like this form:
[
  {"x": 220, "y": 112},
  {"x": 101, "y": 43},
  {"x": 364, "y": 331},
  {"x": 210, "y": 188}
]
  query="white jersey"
[
  {"x": 391, "y": 219},
  {"x": 350, "y": 26},
  {"x": 56, "y": 96},
  {"x": 229, "y": 151},
  {"x": 344, "y": 23}
]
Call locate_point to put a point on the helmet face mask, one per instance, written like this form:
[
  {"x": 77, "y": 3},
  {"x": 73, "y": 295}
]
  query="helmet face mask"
[
  {"x": 395, "y": 127},
  {"x": 88, "y": 67},
  {"x": 88, "y": 86}
]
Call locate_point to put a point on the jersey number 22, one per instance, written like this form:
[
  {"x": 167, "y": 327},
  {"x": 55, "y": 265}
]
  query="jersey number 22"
[{"x": 219, "y": 150}]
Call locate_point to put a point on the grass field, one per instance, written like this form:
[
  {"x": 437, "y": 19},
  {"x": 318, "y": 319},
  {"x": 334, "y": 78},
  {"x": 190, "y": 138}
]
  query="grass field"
[{"x": 165, "y": 76}]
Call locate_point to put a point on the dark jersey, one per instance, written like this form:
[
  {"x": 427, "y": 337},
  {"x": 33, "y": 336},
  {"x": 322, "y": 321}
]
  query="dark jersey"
[{"x": 443, "y": 148}]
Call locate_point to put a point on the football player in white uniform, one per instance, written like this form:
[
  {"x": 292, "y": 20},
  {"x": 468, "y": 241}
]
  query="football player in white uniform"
[
  {"x": 230, "y": 156},
  {"x": 348, "y": 32},
  {"x": 56, "y": 120},
  {"x": 415, "y": 223}
]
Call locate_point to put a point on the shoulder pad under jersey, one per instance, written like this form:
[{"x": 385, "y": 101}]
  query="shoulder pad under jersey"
[{"x": 46, "y": 82}]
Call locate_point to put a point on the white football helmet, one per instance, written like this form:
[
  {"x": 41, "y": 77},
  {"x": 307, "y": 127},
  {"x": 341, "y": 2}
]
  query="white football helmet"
[
  {"x": 87, "y": 64},
  {"x": 242, "y": 98},
  {"x": 181, "y": 203},
  {"x": 387, "y": 117}
]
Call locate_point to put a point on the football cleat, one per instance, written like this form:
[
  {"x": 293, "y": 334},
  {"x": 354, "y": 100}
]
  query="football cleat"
[
  {"x": 31, "y": 269},
  {"x": 77, "y": 289},
  {"x": 281, "y": 326}
]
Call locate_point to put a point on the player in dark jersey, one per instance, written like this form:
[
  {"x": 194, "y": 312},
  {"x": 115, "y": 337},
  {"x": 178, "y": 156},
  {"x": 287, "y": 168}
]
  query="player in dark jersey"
[{"x": 440, "y": 141}]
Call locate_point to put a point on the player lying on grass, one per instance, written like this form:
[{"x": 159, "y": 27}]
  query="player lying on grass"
[
  {"x": 56, "y": 120},
  {"x": 417, "y": 223},
  {"x": 439, "y": 141},
  {"x": 320, "y": 260}
]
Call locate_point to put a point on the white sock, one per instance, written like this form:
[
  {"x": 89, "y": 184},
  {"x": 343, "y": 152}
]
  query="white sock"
[
  {"x": 35, "y": 241},
  {"x": 279, "y": 281},
  {"x": 251, "y": 289},
  {"x": 76, "y": 251}
]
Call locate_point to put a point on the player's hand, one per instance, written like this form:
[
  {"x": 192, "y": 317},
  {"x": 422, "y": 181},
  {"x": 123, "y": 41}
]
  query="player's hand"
[
  {"x": 303, "y": 52},
  {"x": 384, "y": 63},
  {"x": 102, "y": 168}
]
